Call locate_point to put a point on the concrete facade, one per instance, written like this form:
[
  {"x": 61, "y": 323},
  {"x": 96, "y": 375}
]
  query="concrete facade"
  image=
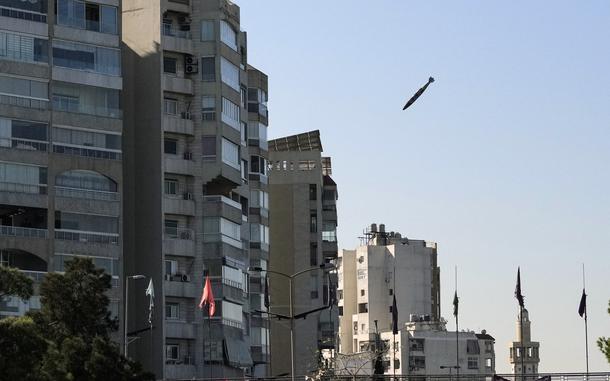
[
  {"x": 303, "y": 200},
  {"x": 193, "y": 165},
  {"x": 61, "y": 132}
]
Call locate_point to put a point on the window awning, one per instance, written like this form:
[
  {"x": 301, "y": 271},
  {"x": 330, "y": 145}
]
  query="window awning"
[{"x": 238, "y": 353}]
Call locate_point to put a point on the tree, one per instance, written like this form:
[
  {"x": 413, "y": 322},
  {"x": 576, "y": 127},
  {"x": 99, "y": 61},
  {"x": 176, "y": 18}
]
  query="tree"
[
  {"x": 22, "y": 348},
  {"x": 13, "y": 282},
  {"x": 604, "y": 343}
]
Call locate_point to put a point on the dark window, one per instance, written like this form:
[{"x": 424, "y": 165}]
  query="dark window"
[
  {"x": 390, "y": 309},
  {"x": 313, "y": 192},
  {"x": 313, "y": 221},
  {"x": 170, "y": 146},
  {"x": 363, "y": 308},
  {"x": 244, "y": 205},
  {"x": 28, "y": 130},
  {"x": 244, "y": 96},
  {"x": 171, "y": 228},
  {"x": 361, "y": 292},
  {"x": 92, "y": 17},
  {"x": 208, "y": 69},
  {"x": 257, "y": 165},
  {"x": 313, "y": 254},
  {"x": 340, "y": 310},
  {"x": 391, "y": 291},
  {"x": 208, "y": 144},
  {"x": 169, "y": 65}
]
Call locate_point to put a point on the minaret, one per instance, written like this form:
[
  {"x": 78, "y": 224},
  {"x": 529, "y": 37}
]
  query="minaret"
[{"x": 530, "y": 351}]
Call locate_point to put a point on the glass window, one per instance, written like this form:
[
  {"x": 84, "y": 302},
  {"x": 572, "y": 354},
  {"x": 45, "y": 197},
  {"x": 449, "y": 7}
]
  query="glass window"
[
  {"x": 23, "y": 48},
  {"x": 86, "y": 222},
  {"x": 86, "y": 99},
  {"x": 208, "y": 144},
  {"x": 22, "y": 87},
  {"x": 313, "y": 221},
  {"x": 109, "y": 19},
  {"x": 228, "y": 35},
  {"x": 172, "y": 352},
  {"x": 208, "y": 69},
  {"x": 208, "y": 107},
  {"x": 171, "y": 267},
  {"x": 86, "y": 138},
  {"x": 90, "y": 16},
  {"x": 313, "y": 254},
  {"x": 170, "y": 146},
  {"x": 230, "y": 153},
  {"x": 229, "y": 73},
  {"x": 86, "y": 57},
  {"x": 313, "y": 191},
  {"x": 171, "y": 228},
  {"x": 169, "y": 65},
  {"x": 171, "y": 186},
  {"x": 170, "y": 106},
  {"x": 230, "y": 113},
  {"x": 172, "y": 311},
  {"x": 207, "y": 30},
  {"x": 88, "y": 180}
]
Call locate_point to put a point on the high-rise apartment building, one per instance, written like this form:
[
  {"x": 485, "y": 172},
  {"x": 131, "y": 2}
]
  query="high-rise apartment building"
[
  {"x": 303, "y": 199},
  {"x": 196, "y": 186},
  {"x": 61, "y": 130},
  {"x": 524, "y": 355}
]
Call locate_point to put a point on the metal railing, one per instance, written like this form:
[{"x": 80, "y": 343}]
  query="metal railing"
[
  {"x": 67, "y": 149},
  {"x": 179, "y": 233},
  {"x": 12, "y": 100},
  {"x": 177, "y": 109},
  {"x": 24, "y": 144},
  {"x": 86, "y": 194},
  {"x": 172, "y": 31},
  {"x": 179, "y": 191},
  {"x": 17, "y": 231},
  {"x": 223, "y": 199},
  {"x": 23, "y": 188},
  {"x": 87, "y": 237},
  {"x": 22, "y": 14}
]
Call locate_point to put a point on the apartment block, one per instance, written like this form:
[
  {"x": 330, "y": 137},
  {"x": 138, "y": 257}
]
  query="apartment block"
[
  {"x": 197, "y": 202},
  {"x": 61, "y": 132},
  {"x": 303, "y": 199}
]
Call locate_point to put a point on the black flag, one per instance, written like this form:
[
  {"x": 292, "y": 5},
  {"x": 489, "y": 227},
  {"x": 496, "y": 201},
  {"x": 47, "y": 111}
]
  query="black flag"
[
  {"x": 418, "y": 93},
  {"x": 394, "y": 317},
  {"x": 455, "y": 304},
  {"x": 518, "y": 294},
  {"x": 267, "y": 304},
  {"x": 582, "y": 307}
]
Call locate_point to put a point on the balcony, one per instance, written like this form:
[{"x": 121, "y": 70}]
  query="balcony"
[
  {"x": 179, "y": 6},
  {"x": 180, "y": 165},
  {"x": 87, "y": 237},
  {"x": 177, "y": 84},
  {"x": 221, "y": 206},
  {"x": 182, "y": 204},
  {"x": 24, "y": 144},
  {"x": 177, "y": 118},
  {"x": 87, "y": 194},
  {"x": 95, "y": 153},
  {"x": 34, "y": 103},
  {"x": 176, "y": 40},
  {"x": 17, "y": 231},
  {"x": 179, "y": 330},
  {"x": 181, "y": 289},
  {"x": 34, "y": 195},
  {"x": 179, "y": 244},
  {"x": 180, "y": 371}
]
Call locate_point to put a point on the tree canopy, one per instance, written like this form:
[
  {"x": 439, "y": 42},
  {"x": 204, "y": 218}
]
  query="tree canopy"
[
  {"x": 604, "y": 342},
  {"x": 13, "y": 282}
]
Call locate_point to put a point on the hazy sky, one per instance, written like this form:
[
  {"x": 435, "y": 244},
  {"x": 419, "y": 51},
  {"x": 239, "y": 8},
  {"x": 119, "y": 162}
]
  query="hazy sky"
[{"x": 503, "y": 162}]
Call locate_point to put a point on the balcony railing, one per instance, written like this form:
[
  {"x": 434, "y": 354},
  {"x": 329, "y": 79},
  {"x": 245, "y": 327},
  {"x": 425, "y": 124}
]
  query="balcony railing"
[
  {"x": 88, "y": 237},
  {"x": 71, "y": 104},
  {"x": 17, "y": 231},
  {"x": 223, "y": 199},
  {"x": 179, "y": 233},
  {"x": 177, "y": 109},
  {"x": 23, "y": 15},
  {"x": 24, "y": 144},
  {"x": 179, "y": 192},
  {"x": 39, "y": 104},
  {"x": 172, "y": 31},
  {"x": 87, "y": 194},
  {"x": 23, "y": 188},
  {"x": 36, "y": 276},
  {"x": 68, "y": 149}
]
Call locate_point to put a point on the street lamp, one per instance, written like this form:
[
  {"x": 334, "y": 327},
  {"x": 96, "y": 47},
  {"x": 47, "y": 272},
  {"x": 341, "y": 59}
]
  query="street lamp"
[
  {"x": 125, "y": 342},
  {"x": 323, "y": 266}
]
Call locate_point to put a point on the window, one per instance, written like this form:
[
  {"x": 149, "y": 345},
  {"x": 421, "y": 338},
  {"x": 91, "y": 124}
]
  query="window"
[
  {"x": 86, "y": 180},
  {"x": 473, "y": 363},
  {"x": 228, "y": 35},
  {"x": 230, "y": 153},
  {"x": 363, "y": 308},
  {"x": 208, "y": 69},
  {"x": 172, "y": 311},
  {"x": 23, "y": 48},
  {"x": 86, "y": 222},
  {"x": 90, "y": 16},
  {"x": 208, "y": 107},
  {"x": 229, "y": 74},
  {"x": 93, "y": 58},
  {"x": 21, "y": 87},
  {"x": 362, "y": 292},
  {"x": 169, "y": 64},
  {"x": 244, "y": 96},
  {"x": 259, "y": 233},
  {"x": 170, "y": 146},
  {"x": 171, "y": 186},
  {"x": 109, "y": 265},
  {"x": 314, "y": 286},
  {"x": 340, "y": 310},
  {"x": 313, "y": 192},
  {"x": 233, "y": 277},
  {"x": 207, "y": 30},
  {"x": 313, "y": 253},
  {"x": 232, "y": 312},
  {"x": 230, "y": 114},
  {"x": 86, "y": 99},
  {"x": 258, "y": 131},
  {"x": 171, "y": 267},
  {"x": 391, "y": 291},
  {"x": 417, "y": 362},
  {"x": 217, "y": 229},
  {"x": 172, "y": 352},
  {"x": 208, "y": 144},
  {"x": 170, "y": 106},
  {"x": 416, "y": 345},
  {"x": 258, "y": 165},
  {"x": 171, "y": 228},
  {"x": 23, "y": 134},
  {"x": 29, "y": 178},
  {"x": 472, "y": 347},
  {"x": 244, "y": 170},
  {"x": 244, "y": 133},
  {"x": 313, "y": 221},
  {"x": 73, "y": 141}
]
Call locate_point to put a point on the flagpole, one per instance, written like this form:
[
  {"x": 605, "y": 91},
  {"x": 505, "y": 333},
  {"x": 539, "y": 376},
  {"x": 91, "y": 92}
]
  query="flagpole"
[
  {"x": 210, "y": 339},
  {"x": 586, "y": 323},
  {"x": 457, "y": 336},
  {"x": 522, "y": 347},
  {"x": 396, "y": 314}
]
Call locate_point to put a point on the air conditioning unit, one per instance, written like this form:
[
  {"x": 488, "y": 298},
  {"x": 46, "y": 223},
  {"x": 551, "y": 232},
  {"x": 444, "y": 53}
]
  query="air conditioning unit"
[
  {"x": 188, "y": 196},
  {"x": 191, "y": 69},
  {"x": 185, "y": 278},
  {"x": 188, "y": 156},
  {"x": 190, "y": 60},
  {"x": 185, "y": 235},
  {"x": 184, "y": 20}
]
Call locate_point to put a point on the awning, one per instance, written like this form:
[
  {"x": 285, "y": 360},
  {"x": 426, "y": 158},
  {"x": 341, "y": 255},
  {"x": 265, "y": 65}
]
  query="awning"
[{"x": 237, "y": 353}]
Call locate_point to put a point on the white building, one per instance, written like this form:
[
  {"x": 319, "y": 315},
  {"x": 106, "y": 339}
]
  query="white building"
[{"x": 523, "y": 351}]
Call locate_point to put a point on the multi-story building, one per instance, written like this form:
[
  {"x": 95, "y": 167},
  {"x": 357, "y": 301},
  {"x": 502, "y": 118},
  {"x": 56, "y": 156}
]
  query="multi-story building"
[
  {"x": 386, "y": 265},
  {"x": 197, "y": 203},
  {"x": 524, "y": 355},
  {"x": 425, "y": 347},
  {"x": 61, "y": 128},
  {"x": 303, "y": 200}
]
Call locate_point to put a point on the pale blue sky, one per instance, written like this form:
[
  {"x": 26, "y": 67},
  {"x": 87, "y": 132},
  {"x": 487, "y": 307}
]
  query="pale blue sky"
[{"x": 503, "y": 162}]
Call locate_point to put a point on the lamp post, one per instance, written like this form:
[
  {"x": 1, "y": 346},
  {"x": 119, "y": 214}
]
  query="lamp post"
[
  {"x": 324, "y": 266},
  {"x": 125, "y": 342}
]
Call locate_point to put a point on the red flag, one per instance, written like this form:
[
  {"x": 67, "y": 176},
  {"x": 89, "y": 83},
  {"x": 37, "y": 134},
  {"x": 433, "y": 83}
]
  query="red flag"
[{"x": 208, "y": 298}]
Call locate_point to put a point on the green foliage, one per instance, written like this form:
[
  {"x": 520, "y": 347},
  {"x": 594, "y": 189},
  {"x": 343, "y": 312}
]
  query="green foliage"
[
  {"x": 12, "y": 282},
  {"x": 69, "y": 338},
  {"x": 21, "y": 349},
  {"x": 604, "y": 343}
]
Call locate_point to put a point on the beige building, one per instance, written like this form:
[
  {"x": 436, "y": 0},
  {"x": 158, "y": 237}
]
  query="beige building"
[
  {"x": 524, "y": 354},
  {"x": 386, "y": 265},
  {"x": 61, "y": 132},
  {"x": 304, "y": 234},
  {"x": 197, "y": 202}
]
